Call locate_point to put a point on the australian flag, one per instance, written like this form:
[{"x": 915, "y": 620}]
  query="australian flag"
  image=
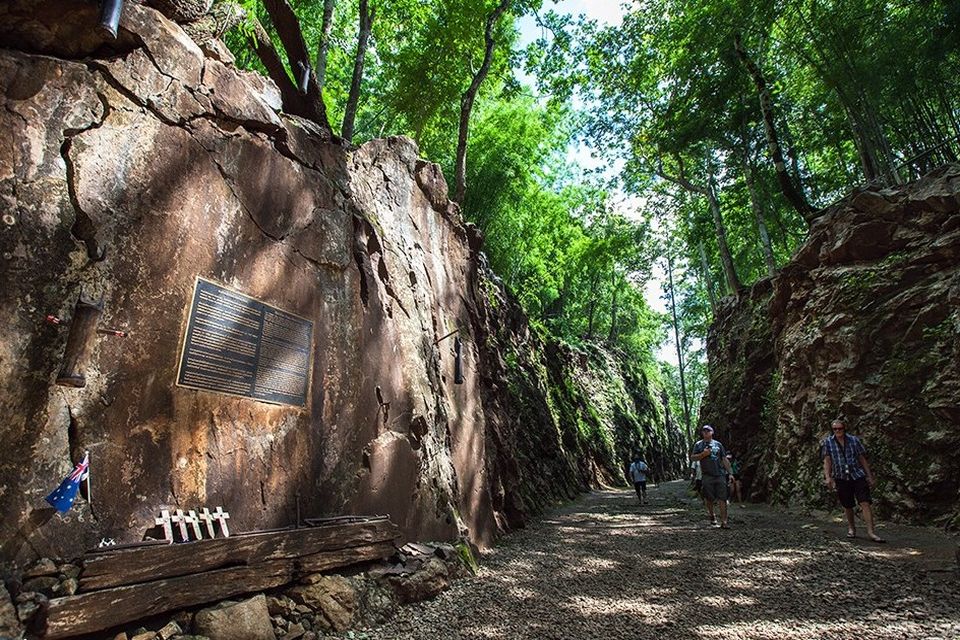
[{"x": 63, "y": 496}]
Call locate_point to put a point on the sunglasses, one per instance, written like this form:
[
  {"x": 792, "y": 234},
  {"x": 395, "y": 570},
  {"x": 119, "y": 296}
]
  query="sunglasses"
[{"x": 839, "y": 428}]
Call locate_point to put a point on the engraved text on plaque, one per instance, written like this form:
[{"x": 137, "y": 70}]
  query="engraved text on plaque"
[{"x": 238, "y": 345}]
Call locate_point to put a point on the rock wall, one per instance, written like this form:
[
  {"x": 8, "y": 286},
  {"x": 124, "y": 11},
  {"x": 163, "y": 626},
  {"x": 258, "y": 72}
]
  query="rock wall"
[
  {"x": 130, "y": 168},
  {"x": 864, "y": 323},
  {"x": 559, "y": 420}
]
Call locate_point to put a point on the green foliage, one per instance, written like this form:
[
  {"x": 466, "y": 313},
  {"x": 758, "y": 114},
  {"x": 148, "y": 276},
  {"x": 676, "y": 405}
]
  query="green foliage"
[
  {"x": 576, "y": 265},
  {"x": 467, "y": 557},
  {"x": 860, "y": 89}
]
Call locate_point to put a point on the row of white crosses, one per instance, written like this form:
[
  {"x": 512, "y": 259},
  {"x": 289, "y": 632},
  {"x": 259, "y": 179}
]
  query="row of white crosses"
[{"x": 193, "y": 519}]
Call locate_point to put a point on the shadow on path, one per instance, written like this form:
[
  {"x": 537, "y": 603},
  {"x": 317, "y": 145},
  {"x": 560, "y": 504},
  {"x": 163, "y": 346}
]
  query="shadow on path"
[{"x": 605, "y": 567}]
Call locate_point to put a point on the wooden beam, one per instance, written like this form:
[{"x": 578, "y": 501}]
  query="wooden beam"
[
  {"x": 133, "y": 566},
  {"x": 99, "y": 610}
]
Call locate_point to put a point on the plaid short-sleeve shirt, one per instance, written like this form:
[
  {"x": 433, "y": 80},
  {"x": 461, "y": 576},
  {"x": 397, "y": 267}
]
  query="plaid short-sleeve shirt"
[{"x": 846, "y": 458}]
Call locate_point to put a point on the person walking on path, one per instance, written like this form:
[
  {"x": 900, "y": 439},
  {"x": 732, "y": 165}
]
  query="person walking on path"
[
  {"x": 638, "y": 475},
  {"x": 846, "y": 471},
  {"x": 712, "y": 457},
  {"x": 696, "y": 480},
  {"x": 736, "y": 485}
]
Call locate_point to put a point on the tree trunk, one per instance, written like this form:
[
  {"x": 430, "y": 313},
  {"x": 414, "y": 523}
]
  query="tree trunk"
[
  {"x": 350, "y": 111},
  {"x": 466, "y": 101},
  {"x": 307, "y": 105},
  {"x": 710, "y": 192},
  {"x": 707, "y": 280},
  {"x": 324, "y": 45},
  {"x": 676, "y": 337},
  {"x": 758, "y": 215},
  {"x": 593, "y": 308},
  {"x": 793, "y": 194},
  {"x": 729, "y": 271},
  {"x": 612, "y": 335}
]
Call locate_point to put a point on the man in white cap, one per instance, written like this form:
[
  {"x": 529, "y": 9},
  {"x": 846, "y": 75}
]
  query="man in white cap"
[{"x": 712, "y": 457}]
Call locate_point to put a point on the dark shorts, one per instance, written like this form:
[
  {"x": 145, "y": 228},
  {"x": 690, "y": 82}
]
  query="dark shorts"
[
  {"x": 851, "y": 492},
  {"x": 640, "y": 486},
  {"x": 714, "y": 488}
]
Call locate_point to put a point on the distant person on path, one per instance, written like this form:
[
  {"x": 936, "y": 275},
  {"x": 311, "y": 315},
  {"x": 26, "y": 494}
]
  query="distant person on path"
[
  {"x": 638, "y": 476},
  {"x": 736, "y": 485},
  {"x": 713, "y": 460},
  {"x": 696, "y": 479},
  {"x": 846, "y": 470}
]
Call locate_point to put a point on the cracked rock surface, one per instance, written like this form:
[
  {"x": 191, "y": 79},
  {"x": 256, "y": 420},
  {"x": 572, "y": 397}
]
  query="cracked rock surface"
[
  {"x": 130, "y": 168},
  {"x": 863, "y": 323}
]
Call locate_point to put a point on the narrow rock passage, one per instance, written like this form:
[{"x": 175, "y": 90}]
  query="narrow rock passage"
[{"x": 606, "y": 567}]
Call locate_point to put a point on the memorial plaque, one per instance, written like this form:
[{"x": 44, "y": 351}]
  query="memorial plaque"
[{"x": 238, "y": 345}]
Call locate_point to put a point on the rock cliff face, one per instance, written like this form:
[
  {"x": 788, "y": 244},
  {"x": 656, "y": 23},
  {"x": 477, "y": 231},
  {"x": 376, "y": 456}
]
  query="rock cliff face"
[
  {"x": 863, "y": 323},
  {"x": 127, "y": 170}
]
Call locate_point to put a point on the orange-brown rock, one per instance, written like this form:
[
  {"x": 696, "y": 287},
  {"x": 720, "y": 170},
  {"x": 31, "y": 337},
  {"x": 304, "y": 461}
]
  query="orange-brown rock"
[
  {"x": 863, "y": 323},
  {"x": 134, "y": 167}
]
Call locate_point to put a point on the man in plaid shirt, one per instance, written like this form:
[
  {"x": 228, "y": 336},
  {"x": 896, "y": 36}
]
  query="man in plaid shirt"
[{"x": 846, "y": 470}]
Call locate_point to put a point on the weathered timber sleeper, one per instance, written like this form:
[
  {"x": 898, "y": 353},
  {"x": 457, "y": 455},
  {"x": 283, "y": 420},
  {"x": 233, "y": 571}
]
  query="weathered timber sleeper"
[{"x": 122, "y": 586}]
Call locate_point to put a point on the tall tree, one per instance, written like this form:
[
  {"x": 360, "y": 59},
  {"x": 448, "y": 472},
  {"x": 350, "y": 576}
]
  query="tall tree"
[
  {"x": 707, "y": 280},
  {"x": 323, "y": 48},
  {"x": 468, "y": 97},
  {"x": 679, "y": 343},
  {"x": 350, "y": 111},
  {"x": 790, "y": 188},
  {"x": 747, "y": 169},
  {"x": 709, "y": 191}
]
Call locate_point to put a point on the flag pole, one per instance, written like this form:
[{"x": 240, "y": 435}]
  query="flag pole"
[{"x": 89, "y": 494}]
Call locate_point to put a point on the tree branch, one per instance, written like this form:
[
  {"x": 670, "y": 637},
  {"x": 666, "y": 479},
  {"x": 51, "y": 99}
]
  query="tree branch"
[{"x": 681, "y": 179}]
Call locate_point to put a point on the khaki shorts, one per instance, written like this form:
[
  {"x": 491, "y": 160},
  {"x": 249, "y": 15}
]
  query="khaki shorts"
[{"x": 714, "y": 488}]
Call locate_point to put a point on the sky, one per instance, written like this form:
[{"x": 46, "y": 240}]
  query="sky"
[{"x": 609, "y": 12}]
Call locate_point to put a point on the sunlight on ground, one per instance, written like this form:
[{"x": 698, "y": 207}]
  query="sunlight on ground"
[
  {"x": 663, "y": 562},
  {"x": 727, "y": 601},
  {"x": 787, "y": 628},
  {"x": 779, "y": 557},
  {"x": 585, "y": 605}
]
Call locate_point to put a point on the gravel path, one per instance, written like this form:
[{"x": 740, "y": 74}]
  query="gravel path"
[{"x": 605, "y": 567}]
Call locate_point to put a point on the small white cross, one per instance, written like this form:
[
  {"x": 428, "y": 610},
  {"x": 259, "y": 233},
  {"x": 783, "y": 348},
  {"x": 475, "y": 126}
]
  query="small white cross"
[
  {"x": 164, "y": 521},
  {"x": 207, "y": 520},
  {"x": 221, "y": 515},
  {"x": 181, "y": 520},
  {"x": 194, "y": 522}
]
